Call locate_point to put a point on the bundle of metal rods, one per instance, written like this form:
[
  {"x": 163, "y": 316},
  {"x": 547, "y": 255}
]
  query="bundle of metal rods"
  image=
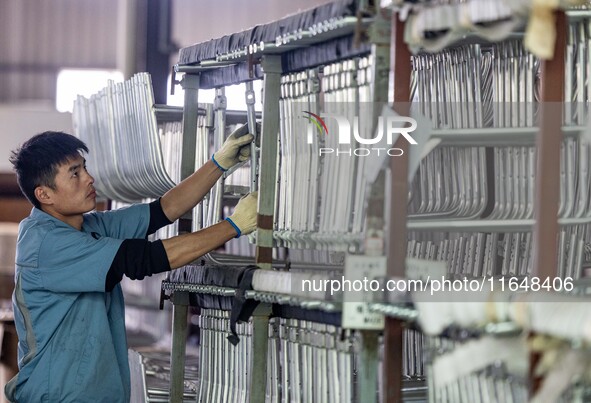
[
  {"x": 307, "y": 361},
  {"x": 321, "y": 187},
  {"x": 497, "y": 182},
  {"x": 311, "y": 358},
  {"x": 119, "y": 126}
]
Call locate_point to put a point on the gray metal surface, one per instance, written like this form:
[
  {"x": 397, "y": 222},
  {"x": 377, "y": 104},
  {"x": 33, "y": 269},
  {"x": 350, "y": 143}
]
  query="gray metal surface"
[
  {"x": 150, "y": 374},
  {"x": 180, "y": 302}
]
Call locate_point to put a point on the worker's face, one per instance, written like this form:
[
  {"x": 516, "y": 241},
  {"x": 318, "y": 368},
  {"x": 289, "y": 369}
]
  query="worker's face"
[{"x": 73, "y": 193}]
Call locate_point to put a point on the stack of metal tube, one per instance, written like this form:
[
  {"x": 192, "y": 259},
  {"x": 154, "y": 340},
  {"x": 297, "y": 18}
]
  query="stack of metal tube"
[
  {"x": 224, "y": 369},
  {"x": 306, "y": 361},
  {"x": 497, "y": 182},
  {"x": 310, "y": 357},
  {"x": 171, "y": 138},
  {"x": 119, "y": 125},
  {"x": 578, "y": 83},
  {"x": 321, "y": 183},
  {"x": 137, "y": 159},
  {"x": 316, "y": 363}
]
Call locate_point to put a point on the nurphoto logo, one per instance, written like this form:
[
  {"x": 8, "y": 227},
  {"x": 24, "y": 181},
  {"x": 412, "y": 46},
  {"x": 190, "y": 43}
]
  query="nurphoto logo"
[{"x": 390, "y": 127}]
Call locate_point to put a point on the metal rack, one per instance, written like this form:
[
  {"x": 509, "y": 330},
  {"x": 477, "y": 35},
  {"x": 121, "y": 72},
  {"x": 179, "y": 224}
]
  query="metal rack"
[
  {"x": 393, "y": 55},
  {"x": 269, "y": 56}
]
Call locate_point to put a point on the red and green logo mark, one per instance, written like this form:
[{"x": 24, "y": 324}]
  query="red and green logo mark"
[{"x": 318, "y": 121}]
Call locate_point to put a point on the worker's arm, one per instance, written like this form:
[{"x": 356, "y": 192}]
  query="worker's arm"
[
  {"x": 138, "y": 258},
  {"x": 187, "y": 194},
  {"x": 184, "y": 249}
]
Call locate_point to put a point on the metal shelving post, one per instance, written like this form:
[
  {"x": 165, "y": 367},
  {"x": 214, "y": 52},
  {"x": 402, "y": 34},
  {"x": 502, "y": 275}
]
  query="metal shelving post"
[
  {"x": 548, "y": 168},
  {"x": 266, "y": 206},
  {"x": 180, "y": 300},
  {"x": 380, "y": 36},
  {"x": 401, "y": 70},
  {"x": 268, "y": 160}
]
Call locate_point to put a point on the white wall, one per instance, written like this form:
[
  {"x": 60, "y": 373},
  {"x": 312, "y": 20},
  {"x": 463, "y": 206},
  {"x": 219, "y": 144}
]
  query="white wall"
[{"x": 18, "y": 123}]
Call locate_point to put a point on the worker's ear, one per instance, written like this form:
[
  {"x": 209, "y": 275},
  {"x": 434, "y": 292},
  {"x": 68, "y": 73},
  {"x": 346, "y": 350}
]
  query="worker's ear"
[{"x": 43, "y": 194}]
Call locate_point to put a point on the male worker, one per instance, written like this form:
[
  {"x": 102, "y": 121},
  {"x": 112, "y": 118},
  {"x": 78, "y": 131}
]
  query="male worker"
[{"x": 68, "y": 304}]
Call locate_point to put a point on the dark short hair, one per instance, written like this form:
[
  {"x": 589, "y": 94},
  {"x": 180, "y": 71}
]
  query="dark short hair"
[{"x": 37, "y": 160}]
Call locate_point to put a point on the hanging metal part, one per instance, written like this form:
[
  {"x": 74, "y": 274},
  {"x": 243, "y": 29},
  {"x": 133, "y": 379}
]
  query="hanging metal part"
[
  {"x": 252, "y": 129},
  {"x": 217, "y": 193},
  {"x": 119, "y": 124}
]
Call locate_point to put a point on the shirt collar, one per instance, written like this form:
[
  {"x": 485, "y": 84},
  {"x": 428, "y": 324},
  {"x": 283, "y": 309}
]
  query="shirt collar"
[{"x": 41, "y": 216}]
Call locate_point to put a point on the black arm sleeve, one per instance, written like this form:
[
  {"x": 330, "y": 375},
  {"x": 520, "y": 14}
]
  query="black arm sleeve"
[
  {"x": 157, "y": 217},
  {"x": 136, "y": 259}
]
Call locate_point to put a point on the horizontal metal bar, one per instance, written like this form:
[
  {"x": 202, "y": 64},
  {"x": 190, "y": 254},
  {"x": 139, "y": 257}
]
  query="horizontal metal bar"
[
  {"x": 401, "y": 312},
  {"x": 485, "y": 225},
  {"x": 502, "y": 329},
  {"x": 409, "y": 314},
  {"x": 199, "y": 288},
  {"x": 285, "y": 299},
  {"x": 471, "y": 225},
  {"x": 239, "y": 117},
  {"x": 576, "y": 15},
  {"x": 164, "y": 392},
  {"x": 321, "y": 32},
  {"x": 202, "y": 66},
  {"x": 495, "y": 136},
  {"x": 225, "y": 259},
  {"x": 268, "y": 297},
  {"x": 167, "y": 113}
]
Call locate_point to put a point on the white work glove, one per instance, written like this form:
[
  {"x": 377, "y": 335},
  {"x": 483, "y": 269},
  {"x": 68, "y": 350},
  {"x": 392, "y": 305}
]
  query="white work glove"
[
  {"x": 244, "y": 218},
  {"x": 235, "y": 149}
]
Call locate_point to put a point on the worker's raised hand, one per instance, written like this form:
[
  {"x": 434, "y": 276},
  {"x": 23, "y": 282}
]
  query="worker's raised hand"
[
  {"x": 244, "y": 218},
  {"x": 235, "y": 149}
]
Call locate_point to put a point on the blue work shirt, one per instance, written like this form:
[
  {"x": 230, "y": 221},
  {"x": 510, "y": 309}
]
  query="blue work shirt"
[{"x": 72, "y": 343}]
